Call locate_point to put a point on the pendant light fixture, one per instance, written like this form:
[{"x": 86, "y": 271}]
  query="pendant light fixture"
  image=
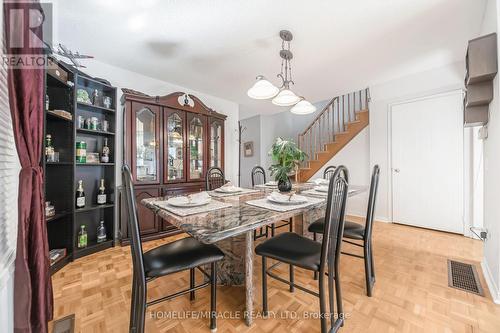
[{"x": 283, "y": 96}]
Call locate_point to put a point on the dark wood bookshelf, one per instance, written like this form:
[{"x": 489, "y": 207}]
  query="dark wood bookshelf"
[{"x": 61, "y": 178}]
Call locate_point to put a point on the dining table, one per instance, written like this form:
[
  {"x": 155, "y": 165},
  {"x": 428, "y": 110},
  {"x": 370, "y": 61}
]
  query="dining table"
[{"x": 231, "y": 227}]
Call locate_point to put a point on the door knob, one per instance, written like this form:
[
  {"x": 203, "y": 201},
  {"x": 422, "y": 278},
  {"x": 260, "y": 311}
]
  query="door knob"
[{"x": 396, "y": 170}]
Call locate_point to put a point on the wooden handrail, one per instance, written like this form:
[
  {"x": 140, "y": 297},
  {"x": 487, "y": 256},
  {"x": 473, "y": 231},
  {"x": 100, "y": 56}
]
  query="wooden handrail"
[{"x": 319, "y": 115}]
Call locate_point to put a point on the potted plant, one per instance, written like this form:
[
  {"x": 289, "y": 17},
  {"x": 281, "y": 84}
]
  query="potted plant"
[{"x": 286, "y": 158}]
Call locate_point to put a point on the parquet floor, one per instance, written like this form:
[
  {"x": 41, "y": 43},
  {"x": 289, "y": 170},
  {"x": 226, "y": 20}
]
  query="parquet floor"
[{"x": 410, "y": 295}]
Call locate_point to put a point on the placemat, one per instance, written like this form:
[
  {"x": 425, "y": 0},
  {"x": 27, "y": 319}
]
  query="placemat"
[
  {"x": 211, "y": 206},
  {"x": 316, "y": 193},
  {"x": 325, "y": 194},
  {"x": 266, "y": 186},
  {"x": 264, "y": 203},
  {"x": 222, "y": 194}
]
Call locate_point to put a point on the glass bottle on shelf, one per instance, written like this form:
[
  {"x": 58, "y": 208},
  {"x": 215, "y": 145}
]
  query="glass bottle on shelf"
[
  {"x": 105, "y": 152},
  {"x": 101, "y": 233},
  {"x": 47, "y": 102},
  {"x": 82, "y": 237},
  {"x": 49, "y": 149},
  {"x": 81, "y": 152},
  {"x": 80, "y": 195},
  {"x": 101, "y": 195}
]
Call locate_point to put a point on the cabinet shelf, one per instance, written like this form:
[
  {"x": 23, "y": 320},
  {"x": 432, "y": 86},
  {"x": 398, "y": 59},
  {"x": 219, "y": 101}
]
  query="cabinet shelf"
[
  {"x": 95, "y": 164},
  {"x": 55, "y": 116},
  {"x": 93, "y": 247},
  {"x": 93, "y": 207},
  {"x": 95, "y": 107},
  {"x": 59, "y": 163},
  {"x": 60, "y": 264},
  {"x": 54, "y": 81},
  {"x": 95, "y": 132},
  {"x": 57, "y": 216}
]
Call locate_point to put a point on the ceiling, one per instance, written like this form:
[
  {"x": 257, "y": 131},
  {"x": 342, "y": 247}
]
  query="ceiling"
[{"x": 218, "y": 47}]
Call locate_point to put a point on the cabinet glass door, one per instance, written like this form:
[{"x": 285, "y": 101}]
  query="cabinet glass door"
[
  {"x": 216, "y": 148},
  {"x": 145, "y": 148},
  {"x": 174, "y": 159},
  {"x": 196, "y": 139}
]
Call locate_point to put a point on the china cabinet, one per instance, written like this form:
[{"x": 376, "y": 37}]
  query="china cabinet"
[{"x": 169, "y": 142}]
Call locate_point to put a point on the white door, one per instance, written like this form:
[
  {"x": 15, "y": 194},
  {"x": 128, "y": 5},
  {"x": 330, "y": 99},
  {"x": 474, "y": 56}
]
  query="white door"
[{"x": 427, "y": 162}]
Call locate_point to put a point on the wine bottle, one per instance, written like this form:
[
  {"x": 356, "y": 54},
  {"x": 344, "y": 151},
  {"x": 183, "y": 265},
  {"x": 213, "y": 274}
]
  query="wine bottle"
[
  {"x": 101, "y": 195},
  {"x": 82, "y": 237},
  {"x": 101, "y": 233},
  {"x": 80, "y": 195},
  {"x": 105, "y": 152},
  {"x": 49, "y": 149}
]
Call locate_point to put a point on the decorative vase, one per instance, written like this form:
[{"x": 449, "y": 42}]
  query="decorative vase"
[{"x": 285, "y": 185}]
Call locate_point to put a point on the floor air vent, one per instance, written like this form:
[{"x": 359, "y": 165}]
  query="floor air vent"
[
  {"x": 464, "y": 277},
  {"x": 65, "y": 325}
]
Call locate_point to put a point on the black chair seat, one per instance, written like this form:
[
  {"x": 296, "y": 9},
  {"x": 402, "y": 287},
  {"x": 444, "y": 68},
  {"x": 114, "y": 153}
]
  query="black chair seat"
[
  {"x": 292, "y": 249},
  {"x": 354, "y": 230},
  {"x": 317, "y": 226},
  {"x": 351, "y": 229},
  {"x": 180, "y": 255}
]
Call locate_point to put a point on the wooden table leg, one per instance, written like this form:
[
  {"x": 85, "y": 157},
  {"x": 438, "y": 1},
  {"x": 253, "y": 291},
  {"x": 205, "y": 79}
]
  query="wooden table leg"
[{"x": 249, "y": 278}]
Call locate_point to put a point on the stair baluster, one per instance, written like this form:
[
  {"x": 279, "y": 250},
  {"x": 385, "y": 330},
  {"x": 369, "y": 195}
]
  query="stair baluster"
[{"x": 342, "y": 115}]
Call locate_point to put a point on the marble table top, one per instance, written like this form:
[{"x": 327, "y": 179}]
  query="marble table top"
[{"x": 213, "y": 226}]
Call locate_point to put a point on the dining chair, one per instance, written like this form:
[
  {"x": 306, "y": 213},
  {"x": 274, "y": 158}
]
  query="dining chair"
[
  {"x": 295, "y": 250},
  {"x": 214, "y": 179},
  {"x": 180, "y": 255},
  {"x": 359, "y": 232},
  {"x": 258, "y": 176},
  {"x": 328, "y": 173}
]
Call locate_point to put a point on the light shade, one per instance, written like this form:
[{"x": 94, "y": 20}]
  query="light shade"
[
  {"x": 262, "y": 89},
  {"x": 285, "y": 97},
  {"x": 303, "y": 107}
]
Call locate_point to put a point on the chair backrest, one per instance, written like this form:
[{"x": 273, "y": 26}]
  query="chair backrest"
[
  {"x": 133, "y": 223},
  {"x": 328, "y": 173},
  {"x": 258, "y": 176},
  {"x": 370, "y": 212},
  {"x": 214, "y": 179},
  {"x": 334, "y": 219}
]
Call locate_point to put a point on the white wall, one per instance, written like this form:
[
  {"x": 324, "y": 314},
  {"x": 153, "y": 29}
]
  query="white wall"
[
  {"x": 491, "y": 263},
  {"x": 356, "y": 157},
  {"x": 251, "y": 132},
  {"x": 122, "y": 78},
  {"x": 382, "y": 96}
]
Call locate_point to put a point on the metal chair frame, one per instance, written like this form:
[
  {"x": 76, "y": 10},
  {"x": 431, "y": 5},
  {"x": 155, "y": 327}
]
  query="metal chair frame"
[
  {"x": 330, "y": 257},
  {"x": 264, "y": 231},
  {"x": 139, "y": 281}
]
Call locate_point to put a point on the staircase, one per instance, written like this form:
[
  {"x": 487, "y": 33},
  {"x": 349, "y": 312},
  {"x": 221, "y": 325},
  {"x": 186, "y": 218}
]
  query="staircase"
[{"x": 337, "y": 124}]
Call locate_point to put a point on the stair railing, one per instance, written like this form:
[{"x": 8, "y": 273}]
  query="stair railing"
[{"x": 332, "y": 120}]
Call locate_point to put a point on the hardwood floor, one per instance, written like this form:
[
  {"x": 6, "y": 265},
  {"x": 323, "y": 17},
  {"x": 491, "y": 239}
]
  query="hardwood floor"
[{"x": 411, "y": 293}]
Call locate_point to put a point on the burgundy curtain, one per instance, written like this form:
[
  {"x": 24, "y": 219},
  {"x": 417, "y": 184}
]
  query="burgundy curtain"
[{"x": 32, "y": 282}]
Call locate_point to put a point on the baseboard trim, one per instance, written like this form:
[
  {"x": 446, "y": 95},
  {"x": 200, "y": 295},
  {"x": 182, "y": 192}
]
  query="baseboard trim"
[{"x": 492, "y": 286}]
